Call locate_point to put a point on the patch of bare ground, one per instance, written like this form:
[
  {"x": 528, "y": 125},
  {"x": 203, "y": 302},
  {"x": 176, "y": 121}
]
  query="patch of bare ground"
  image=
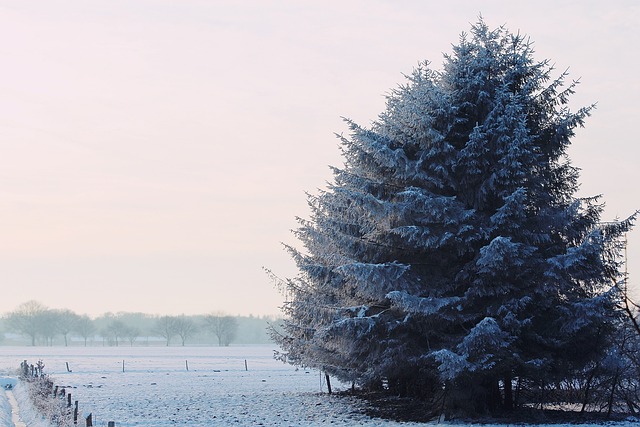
[
  {"x": 388, "y": 407},
  {"x": 406, "y": 409}
]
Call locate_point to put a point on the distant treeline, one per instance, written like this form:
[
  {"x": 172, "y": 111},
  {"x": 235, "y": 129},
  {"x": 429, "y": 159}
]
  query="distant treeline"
[{"x": 32, "y": 323}]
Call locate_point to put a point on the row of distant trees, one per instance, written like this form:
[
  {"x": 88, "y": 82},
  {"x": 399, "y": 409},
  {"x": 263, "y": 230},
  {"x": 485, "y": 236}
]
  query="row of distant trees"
[{"x": 42, "y": 325}]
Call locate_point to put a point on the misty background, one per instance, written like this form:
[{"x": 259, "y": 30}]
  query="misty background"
[
  {"x": 154, "y": 154},
  {"x": 33, "y": 323}
]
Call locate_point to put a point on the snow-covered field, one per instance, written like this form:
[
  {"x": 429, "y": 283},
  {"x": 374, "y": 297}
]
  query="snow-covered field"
[{"x": 156, "y": 389}]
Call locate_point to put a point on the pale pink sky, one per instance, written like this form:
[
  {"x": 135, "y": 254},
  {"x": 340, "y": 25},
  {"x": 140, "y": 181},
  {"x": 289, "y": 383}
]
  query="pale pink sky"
[{"x": 154, "y": 154}]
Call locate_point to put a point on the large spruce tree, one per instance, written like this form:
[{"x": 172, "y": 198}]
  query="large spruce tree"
[{"x": 451, "y": 252}]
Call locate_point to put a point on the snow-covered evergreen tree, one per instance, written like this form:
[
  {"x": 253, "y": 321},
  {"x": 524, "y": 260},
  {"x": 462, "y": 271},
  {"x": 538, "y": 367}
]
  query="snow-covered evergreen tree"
[{"x": 451, "y": 251}]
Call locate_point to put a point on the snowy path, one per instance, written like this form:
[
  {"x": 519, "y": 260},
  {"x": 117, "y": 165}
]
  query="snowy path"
[{"x": 15, "y": 412}]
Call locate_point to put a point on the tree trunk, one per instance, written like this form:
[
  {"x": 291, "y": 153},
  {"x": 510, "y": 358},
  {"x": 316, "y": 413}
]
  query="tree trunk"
[
  {"x": 508, "y": 393},
  {"x": 493, "y": 397},
  {"x": 613, "y": 390},
  {"x": 587, "y": 390}
]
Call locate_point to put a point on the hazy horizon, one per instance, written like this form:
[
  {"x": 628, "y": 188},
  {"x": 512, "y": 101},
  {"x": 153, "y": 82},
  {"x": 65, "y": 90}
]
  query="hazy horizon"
[
  {"x": 117, "y": 314},
  {"x": 155, "y": 154}
]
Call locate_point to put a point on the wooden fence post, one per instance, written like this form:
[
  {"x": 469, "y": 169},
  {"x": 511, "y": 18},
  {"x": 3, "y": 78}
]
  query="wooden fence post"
[
  {"x": 69, "y": 400},
  {"x": 75, "y": 414},
  {"x": 89, "y": 421},
  {"x": 186, "y": 363},
  {"x": 111, "y": 424},
  {"x": 326, "y": 376}
]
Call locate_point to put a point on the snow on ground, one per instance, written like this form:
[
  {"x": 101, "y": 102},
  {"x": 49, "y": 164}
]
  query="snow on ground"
[
  {"x": 5, "y": 408},
  {"x": 156, "y": 389},
  {"x": 27, "y": 414},
  {"x": 21, "y": 411}
]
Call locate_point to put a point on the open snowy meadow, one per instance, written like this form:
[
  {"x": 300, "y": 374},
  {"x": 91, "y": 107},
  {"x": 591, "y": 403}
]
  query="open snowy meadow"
[
  {"x": 218, "y": 389},
  {"x": 156, "y": 389}
]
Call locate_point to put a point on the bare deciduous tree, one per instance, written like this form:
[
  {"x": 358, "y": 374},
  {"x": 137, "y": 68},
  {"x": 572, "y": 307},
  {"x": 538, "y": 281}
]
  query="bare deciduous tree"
[
  {"x": 166, "y": 327},
  {"x": 27, "y": 319},
  {"x": 49, "y": 326},
  {"x": 185, "y": 327},
  {"x": 131, "y": 333},
  {"x": 115, "y": 331},
  {"x": 84, "y": 327},
  {"x": 66, "y": 321},
  {"x": 224, "y": 327}
]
